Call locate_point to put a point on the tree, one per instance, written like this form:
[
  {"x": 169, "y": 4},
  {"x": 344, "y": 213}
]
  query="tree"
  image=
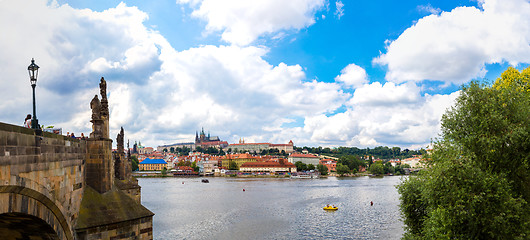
[
  {"x": 476, "y": 184},
  {"x": 300, "y": 166},
  {"x": 195, "y": 167},
  {"x": 134, "y": 162},
  {"x": 377, "y": 168},
  {"x": 388, "y": 168},
  {"x": 233, "y": 166},
  {"x": 322, "y": 169},
  {"x": 310, "y": 167},
  {"x": 342, "y": 169},
  {"x": 164, "y": 171},
  {"x": 353, "y": 162},
  {"x": 171, "y": 149}
]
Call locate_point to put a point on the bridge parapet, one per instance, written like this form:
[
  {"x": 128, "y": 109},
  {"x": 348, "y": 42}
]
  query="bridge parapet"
[{"x": 42, "y": 176}]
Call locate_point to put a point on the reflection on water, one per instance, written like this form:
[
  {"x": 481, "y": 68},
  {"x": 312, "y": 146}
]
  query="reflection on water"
[{"x": 273, "y": 208}]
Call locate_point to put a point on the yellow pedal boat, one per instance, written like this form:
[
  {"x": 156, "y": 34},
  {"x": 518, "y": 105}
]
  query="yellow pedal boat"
[{"x": 331, "y": 208}]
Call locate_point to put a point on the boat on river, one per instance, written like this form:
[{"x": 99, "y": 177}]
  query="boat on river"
[
  {"x": 305, "y": 175},
  {"x": 331, "y": 208},
  {"x": 204, "y": 180}
]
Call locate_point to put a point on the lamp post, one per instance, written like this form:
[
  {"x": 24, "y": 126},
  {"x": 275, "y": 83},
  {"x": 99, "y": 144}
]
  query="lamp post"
[{"x": 33, "y": 71}]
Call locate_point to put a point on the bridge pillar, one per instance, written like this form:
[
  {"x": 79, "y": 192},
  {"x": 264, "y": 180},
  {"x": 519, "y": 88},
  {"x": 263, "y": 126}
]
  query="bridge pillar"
[{"x": 99, "y": 167}]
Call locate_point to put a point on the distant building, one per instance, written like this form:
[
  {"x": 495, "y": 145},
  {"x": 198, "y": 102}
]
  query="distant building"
[
  {"x": 239, "y": 159},
  {"x": 201, "y": 140},
  {"x": 414, "y": 162},
  {"x": 242, "y": 147},
  {"x": 152, "y": 164},
  {"x": 269, "y": 166},
  {"x": 304, "y": 158},
  {"x": 330, "y": 164},
  {"x": 167, "y": 148}
]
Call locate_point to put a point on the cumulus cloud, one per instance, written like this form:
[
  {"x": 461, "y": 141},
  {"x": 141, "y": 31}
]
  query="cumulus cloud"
[
  {"x": 455, "y": 46},
  {"x": 389, "y": 115},
  {"x": 161, "y": 96},
  {"x": 158, "y": 94},
  {"x": 242, "y": 22},
  {"x": 352, "y": 76}
]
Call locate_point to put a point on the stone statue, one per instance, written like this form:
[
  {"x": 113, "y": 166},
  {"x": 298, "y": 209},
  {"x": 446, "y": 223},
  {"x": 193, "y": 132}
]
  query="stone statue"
[
  {"x": 119, "y": 141},
  {"x": 95, "y": 105},
  {"x": 103, "y": 88}
]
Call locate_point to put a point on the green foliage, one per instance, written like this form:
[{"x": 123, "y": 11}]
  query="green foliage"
[
  {"x": 342, "y": 169},
  {"x": 378, "y": 152},
  {"x": 134, "y": 162},
  {"x": 388, "y": 168},
  {"x": 300, "y": 166},
  {"x": 233, "y": 166},
  {"x": 322, "y": 169},
  {"x": 195, "y": 167},
  {"x": 353, "y": 162},
  {"x": 164, "y": 171},
  {"x": 310, "y": 167},
  {"x": 184, "y": 163},
  {"x": 400, "y": 168},
  {"x": 377, "y": 168},
  {"x": 476, "y": 185}
]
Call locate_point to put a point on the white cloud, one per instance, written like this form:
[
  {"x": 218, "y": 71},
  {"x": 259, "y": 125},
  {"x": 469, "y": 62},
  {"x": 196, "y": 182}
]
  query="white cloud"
[
  {"x": 352, "y": 76},
  {"x": 242, "y": 22},
  {"x": 455, "y": 46},
  {"x": 161, "y": 96},
  {"x": 428, "y": 9},
  {"x": 389, "y": 115},
  {"x": 375, "y": 94},
  {"x": 340, "y": 11},
  {"x": 155, "y": 92}
]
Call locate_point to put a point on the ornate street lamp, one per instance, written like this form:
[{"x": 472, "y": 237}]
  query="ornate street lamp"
[{"x": 33, "y": 71}]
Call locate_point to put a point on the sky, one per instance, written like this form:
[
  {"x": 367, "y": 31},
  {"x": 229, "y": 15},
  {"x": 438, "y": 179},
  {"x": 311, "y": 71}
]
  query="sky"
[{"x": 318, "y": 72}]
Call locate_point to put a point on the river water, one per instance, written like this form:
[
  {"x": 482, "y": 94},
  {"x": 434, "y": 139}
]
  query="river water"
[{"x": 186, "y": 208}]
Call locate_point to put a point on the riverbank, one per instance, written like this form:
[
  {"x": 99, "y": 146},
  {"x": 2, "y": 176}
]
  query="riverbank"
[{"x": 158, "y": 174}]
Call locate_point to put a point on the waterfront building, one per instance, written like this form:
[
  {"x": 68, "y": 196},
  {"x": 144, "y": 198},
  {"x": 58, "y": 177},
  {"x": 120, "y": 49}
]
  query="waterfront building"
[
  {"x": 304, "y": 158},
  {"x": 152, "y": 164},
  {"x": 330, "y": 164},
  {"x": 269, "y": 166},
  {"x": 239, "y": 159}
]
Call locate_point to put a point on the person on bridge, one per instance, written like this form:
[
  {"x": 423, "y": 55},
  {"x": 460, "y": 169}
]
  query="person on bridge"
[{"x": 27, "y": 121}]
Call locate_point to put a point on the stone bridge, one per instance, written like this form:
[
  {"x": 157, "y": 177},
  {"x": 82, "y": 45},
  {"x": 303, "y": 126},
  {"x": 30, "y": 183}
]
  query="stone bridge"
[{"x": 56, "y": 187}]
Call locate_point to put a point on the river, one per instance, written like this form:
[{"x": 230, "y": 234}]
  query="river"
[{"x": 186, "y": 208}]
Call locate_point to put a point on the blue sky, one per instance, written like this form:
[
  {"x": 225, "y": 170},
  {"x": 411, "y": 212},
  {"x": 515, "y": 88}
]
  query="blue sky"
[{"x": 318, "y": 72}]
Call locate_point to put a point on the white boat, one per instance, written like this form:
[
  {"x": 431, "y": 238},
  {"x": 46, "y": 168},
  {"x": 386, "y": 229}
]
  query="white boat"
[{"x": 303, "y": 175}]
